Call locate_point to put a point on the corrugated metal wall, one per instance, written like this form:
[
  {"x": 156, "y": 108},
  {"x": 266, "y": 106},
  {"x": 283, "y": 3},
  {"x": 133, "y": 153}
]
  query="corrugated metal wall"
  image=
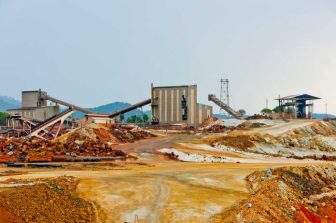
[
  {"x": 204, "y": 111},
  {"x": 168, "y": 106}
]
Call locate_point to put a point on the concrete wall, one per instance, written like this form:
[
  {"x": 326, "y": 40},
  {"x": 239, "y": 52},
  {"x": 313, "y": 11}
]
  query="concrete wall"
[
  {"x": 39, "y": 114},
  {"x": 203, "y": 112},
  {"x": 100, "y": 120},
  {"x": 31, "y": 99}
]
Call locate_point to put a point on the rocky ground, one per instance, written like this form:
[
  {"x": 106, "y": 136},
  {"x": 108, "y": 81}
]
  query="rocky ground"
[
  {"x": 311, "y": 140},
  {"x": 261, "y": 141},
  {"x": 210, "y": 185},
  {"x": 292, "y": 194},
  {"x": 93, "y": 140}
]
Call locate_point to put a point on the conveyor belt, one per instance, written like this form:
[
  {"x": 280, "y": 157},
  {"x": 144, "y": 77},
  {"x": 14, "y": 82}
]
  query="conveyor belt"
[
  {"x": 75, "y": 107},
  {"x": 130, "y": 108},
  {"x": 226, "y": 107}
]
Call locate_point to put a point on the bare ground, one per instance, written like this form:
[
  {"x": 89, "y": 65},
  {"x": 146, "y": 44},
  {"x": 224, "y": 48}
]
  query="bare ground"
[{"x": 156, "y": 189}]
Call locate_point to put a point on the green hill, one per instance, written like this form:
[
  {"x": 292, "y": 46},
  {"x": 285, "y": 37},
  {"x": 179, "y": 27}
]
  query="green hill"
[{"x": 112, "y": 107}]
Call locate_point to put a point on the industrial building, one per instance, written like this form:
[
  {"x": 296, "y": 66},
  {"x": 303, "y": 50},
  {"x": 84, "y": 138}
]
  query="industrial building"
[
  {"x": 298, "y": 106},
  {"x": 178, "y": 105},
  {"x": 95, "y": 118},
  {"x": 35, "y": 107},
  {"x": 37, "y": 118}
]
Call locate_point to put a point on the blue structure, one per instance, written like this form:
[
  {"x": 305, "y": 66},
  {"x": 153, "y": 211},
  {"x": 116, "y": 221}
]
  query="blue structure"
[{"x": 302, "y": 106}]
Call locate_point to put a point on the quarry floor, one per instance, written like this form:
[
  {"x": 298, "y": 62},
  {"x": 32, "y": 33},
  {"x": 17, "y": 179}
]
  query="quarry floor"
[{"x": 155, "y": 189}]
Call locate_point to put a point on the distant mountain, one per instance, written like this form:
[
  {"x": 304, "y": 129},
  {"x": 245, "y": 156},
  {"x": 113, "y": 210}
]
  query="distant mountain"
[
  {"x": 322, "y": 116},
  {"x": 110, "y": 108},
  {"x": 221, "y": 116},
  {"x": 315, "y": 116},
  {"x": 8, "y": 103}
]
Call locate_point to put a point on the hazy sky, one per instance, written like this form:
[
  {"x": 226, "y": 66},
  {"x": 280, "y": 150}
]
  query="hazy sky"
[{"x": 95, "y": 52}]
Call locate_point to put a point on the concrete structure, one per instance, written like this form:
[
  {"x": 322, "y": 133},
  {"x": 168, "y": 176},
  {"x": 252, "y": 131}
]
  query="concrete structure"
[
  {"x": 34, "y": 107},
  {"x": 299, "y": 106},
  {"x": 178, "y": 105},
  {"x": 99, "y": 119}
]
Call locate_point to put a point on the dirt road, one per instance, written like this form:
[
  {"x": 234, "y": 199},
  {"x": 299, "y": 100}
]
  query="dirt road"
[
  {"x": 172, "y": 192},
  {"x": 154, "y": 189},
  {"x": 280, "y": 129}
]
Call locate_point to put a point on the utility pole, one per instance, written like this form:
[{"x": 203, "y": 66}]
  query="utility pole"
[{"x": 267, "y": 103}]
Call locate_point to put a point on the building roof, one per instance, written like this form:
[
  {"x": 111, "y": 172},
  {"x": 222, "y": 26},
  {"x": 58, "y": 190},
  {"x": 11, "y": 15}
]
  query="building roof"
[
  {"x": 96, "y": 115},
  {"x": 177, "y": 86},
  {"x": 22, "y": 109},
  {"x": 209, "y": 106},
  {"x": 34, "y": 91},
  {"x": 30, "y": 108},
  {"x": 298, "y": 97}
]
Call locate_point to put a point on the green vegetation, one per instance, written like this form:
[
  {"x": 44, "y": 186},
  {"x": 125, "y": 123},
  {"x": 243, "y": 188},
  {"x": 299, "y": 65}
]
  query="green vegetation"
[
  {"x": 242, "y": 112},
  {"x": 138, "y": 119},
  {"x": 277, "y": 109},
  {"x": 3, "y": 116},
  {"x": 145, "y": 118},
  {"x": 122, "y": 117},
  {"x": 266, "y": 111}
]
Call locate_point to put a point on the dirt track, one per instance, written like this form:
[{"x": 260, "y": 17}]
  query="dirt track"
[
  {"x": 285, "y": 127},
  {"x": 178, "y": 193},
  {"x": 171, "y": 192},
  {"x": 155, "y": 189}
]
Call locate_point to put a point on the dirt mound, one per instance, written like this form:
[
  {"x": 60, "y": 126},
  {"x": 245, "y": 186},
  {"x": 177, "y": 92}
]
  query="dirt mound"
[
  {"x": 241, "y": 142},
  {"x": 213, "y": 124},
  {"x": 38, "y": 150},
  {"x": 114, "y": 134},
  {"x": 313, "y": 141},
  {"x": 92, "y": 132},
  {"x": 47, "y": 201},
  {"x": 323, "y": 128},
  {"x": 130, "y": 133},
  {"x": 208, "y": 121},
  {"x": 250, "y": 125},
  {"x": 93, "y": 140},
  {"x": 258, "y": 116},
  {"x": 292, "y": 194},
  {"x": 319, "y": 136}
]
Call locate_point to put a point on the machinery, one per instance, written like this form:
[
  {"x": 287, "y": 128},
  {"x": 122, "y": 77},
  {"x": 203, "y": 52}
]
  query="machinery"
[{"x": 225, "y": 107}]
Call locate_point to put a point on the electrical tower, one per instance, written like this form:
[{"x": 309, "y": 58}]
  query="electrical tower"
[{"x": 224, "y": 94}]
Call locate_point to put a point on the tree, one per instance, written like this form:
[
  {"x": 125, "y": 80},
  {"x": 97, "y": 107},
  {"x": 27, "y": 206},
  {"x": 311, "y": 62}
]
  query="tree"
[
  {"x": 266, "y": 111},
  {"x": 145, "y": 117},
  {"x": 3, "y": 116},
  {"x": 134, "y": 119},
  {"x": 277, "y": 109},
  {"x": 122, "y": 117},
  {"x": 242, "y": 112}
]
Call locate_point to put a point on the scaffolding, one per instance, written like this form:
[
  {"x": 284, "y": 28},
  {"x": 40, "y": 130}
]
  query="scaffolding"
[{"x": 224, "y": 95}]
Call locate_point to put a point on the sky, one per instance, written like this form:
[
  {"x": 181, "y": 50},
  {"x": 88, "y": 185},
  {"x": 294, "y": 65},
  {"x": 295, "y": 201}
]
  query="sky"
[{"x": 96, "y": 52}]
